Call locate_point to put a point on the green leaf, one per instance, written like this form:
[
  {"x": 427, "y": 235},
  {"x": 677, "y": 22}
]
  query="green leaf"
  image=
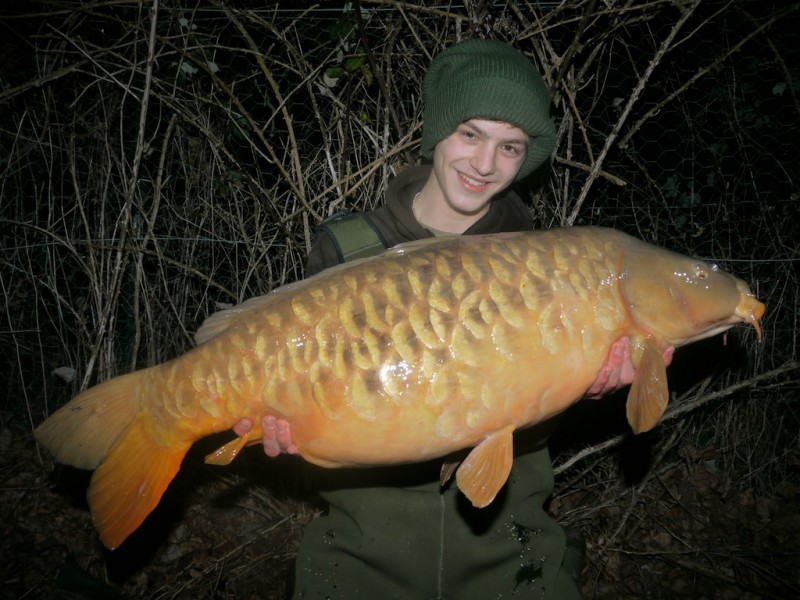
[
  {"x": 354, "y": 63},
  {"x": 341, "y": 29}
]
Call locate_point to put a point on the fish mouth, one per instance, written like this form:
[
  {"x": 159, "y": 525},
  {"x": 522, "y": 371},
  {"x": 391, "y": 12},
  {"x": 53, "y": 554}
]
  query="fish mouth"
[{"x": 750, "y": 310}]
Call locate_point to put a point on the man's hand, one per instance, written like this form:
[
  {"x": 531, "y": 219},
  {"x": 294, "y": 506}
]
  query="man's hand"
[
  {"x": 276, "y": 435},
  {"x": 618, "y": 370}
]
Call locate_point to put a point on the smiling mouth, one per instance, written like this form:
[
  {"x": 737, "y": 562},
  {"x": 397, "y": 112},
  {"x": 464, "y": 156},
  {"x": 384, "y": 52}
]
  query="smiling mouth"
[{"x": 474, "y": 183}]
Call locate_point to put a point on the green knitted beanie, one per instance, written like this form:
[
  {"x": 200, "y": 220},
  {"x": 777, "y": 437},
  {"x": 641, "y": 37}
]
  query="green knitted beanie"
[{"x": 487, "y": 79}]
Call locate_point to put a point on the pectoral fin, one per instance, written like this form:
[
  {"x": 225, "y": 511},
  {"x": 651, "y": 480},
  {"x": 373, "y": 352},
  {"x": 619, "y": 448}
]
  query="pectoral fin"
[
  {"x": 486, "y": 468},
  {"x": 649, "y": 395},
  {"x": 226, "y": 453}
]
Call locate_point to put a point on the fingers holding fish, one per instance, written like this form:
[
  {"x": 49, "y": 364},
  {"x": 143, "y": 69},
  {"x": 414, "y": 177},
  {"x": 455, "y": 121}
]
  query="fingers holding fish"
[
  {"x": 243, "y": 427},
  {"x": 618, "y": 366},
  {"x": 277, "y": 436},
  {"x": 618, "y": 371}
]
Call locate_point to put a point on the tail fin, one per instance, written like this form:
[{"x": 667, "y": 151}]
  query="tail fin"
[
  {"x": 104, "y": 429},
  {"x": 130, "y": 482},
  {"x": 82, "y": 432}
]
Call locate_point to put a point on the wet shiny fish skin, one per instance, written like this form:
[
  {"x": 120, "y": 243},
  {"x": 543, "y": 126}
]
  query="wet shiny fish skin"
[
  {"x": 436, "y": 343},
  {"x": 429, "y": 348}
]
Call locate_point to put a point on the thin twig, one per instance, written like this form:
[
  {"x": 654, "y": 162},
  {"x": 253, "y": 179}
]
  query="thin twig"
[
  {"x": 686, "y": 12},
  {"x": 678, "y": 409}
]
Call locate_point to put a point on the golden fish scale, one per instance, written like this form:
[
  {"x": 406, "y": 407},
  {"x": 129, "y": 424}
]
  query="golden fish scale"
[{"x": 428, "y": 348}]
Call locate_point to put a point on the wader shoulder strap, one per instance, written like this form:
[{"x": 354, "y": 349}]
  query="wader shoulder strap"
[{"x": 354, "y": 235}]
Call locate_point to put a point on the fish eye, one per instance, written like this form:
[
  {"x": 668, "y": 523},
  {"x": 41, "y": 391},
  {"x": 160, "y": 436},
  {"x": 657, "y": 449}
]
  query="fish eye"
[{"x": 700, "y": 272}]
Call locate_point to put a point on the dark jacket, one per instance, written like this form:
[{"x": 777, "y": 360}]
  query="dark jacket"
[{"x": 396, "y": 223}]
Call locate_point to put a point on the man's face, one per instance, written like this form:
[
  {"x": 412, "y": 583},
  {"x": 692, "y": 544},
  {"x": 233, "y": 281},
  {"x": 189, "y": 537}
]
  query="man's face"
[{"x": 477, "y": 161}]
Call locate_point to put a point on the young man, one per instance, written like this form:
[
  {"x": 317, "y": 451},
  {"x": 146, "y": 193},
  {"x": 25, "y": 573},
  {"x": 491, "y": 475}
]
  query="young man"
[{"x": 394, "y": 532}]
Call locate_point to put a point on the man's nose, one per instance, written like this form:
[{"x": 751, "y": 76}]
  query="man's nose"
[{"x": 483, "y": 160}]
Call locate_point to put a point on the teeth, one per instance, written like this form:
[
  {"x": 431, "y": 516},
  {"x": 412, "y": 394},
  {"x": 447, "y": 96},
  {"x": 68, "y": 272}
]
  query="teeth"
[{"x": 472, "y": 181}]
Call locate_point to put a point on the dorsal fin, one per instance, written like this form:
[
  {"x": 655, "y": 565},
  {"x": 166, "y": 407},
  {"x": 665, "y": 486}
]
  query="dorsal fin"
[{"x": 218, "y": 322}]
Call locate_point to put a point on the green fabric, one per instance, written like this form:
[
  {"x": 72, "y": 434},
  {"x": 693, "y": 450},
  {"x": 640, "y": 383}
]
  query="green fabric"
[
  {"x": 354, "y": 236},
  {"x": 487, "y": 79},
  {"x": 417, "y": 542}
]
